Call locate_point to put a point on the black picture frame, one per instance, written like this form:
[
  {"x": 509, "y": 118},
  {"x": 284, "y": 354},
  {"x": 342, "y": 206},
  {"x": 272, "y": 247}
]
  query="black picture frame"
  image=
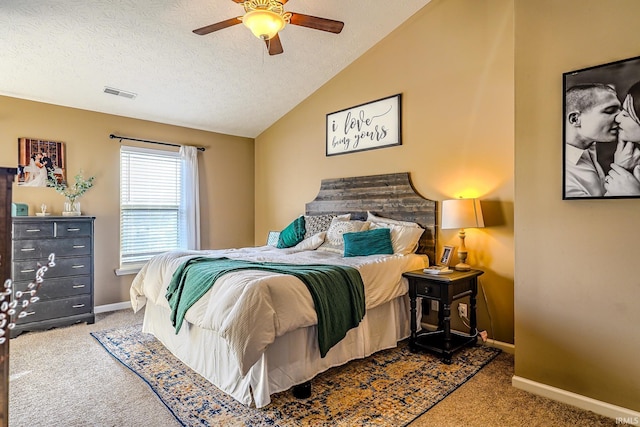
[
  {"x": 368, "y": 126},
  {"x": 579, "y": 179}
]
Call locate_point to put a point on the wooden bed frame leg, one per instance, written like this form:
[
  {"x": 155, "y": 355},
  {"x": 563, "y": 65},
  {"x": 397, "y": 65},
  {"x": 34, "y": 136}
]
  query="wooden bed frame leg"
[{"x": 302, "y": 391}]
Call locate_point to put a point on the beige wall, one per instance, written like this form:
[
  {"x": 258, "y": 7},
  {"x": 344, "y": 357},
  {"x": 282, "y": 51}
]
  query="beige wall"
[
  {"x": 577, "y": 282},
  {"x": 453, "y": 64},
  {"x": 226, "y": 177}
]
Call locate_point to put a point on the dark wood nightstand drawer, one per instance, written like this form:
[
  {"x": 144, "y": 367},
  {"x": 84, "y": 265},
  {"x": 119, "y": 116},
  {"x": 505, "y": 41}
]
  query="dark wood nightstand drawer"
[{"x": 428, "y": 290}]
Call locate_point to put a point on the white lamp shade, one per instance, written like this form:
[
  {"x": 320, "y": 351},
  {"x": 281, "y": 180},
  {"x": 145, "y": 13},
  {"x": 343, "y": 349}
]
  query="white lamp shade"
[{"x": 461, "y": 213}]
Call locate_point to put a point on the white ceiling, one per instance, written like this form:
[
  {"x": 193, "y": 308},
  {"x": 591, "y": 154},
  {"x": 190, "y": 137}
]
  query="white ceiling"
[{"x": 66, "y": 52}]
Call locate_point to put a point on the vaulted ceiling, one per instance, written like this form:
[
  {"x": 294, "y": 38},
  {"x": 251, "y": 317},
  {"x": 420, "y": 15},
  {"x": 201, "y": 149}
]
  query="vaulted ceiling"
[{"x": 66, "y": 52}]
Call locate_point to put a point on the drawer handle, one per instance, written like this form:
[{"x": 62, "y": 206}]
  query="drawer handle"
[
  {"x": 78, "y": 246},
  {"x": 27, "y": 249},
  {"x": 27, "y": 271},
  {"x": 33, "y": 230},
  {"x": 28, "y": 313},
  {"x": 73, "y": 229},
  {"x": 77, "y": 266},
  {"x": 78, "y": 286},
  {"x": 78, "y": 306}
]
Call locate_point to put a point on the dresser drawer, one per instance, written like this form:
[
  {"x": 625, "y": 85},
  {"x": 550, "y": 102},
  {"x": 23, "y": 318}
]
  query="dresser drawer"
[
  {"x": 41, "y": 248},
  {"x": 73, "y": 228},
  {"x": 33, "y": 230},
  {"x": 59, "y": 287},
  {"x": 44, "y": 310},
  {"x": 26, "y": 270},
  {"x": 428, "y": 290}
]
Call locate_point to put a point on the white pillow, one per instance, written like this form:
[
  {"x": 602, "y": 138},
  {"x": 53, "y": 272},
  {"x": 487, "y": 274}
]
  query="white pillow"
[
  {"x": 374, "y": 218},
  {"x": 333, "y": 241},
  {"x": 311, "y": 243},
  {"x": 404, "y": 239}
]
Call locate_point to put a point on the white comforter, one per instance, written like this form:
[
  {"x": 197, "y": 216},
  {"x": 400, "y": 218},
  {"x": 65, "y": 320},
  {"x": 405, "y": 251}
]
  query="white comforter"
[{"x": 249, "y": 309}]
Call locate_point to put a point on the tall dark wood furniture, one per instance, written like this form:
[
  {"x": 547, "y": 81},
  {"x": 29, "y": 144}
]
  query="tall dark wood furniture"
[
  {"x": 6, "y": 181},
  {"x": 66, "y": 296},
  {"x": 444, "y": 288}
]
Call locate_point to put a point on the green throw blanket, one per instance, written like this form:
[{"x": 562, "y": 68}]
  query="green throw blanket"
[{"x": 337, "y": 291}]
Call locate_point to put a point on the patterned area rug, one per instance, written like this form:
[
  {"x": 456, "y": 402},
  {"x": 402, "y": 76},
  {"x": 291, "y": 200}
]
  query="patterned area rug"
[{"x": 390, "y": 388}]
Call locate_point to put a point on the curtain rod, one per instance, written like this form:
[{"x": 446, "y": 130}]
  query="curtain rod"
[{"x": 112, "y": 136}]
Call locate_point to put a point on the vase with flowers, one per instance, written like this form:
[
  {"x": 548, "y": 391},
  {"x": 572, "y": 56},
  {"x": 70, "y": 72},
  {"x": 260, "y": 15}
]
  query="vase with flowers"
[{"x": 72, "y": 192}]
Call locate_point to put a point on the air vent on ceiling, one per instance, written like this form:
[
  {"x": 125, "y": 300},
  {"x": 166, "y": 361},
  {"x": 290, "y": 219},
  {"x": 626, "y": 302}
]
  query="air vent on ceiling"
[{"x": 119, "y": 92}]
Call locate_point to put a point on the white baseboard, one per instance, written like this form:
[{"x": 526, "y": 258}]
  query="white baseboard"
[
  {"x": 504, "y": 346},
  {"x": 620, "y": 414},
  {"x": 112, "y": 307}
]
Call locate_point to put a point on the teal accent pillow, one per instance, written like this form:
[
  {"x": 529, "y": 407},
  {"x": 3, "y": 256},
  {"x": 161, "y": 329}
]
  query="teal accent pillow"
[
  {"x": 292, "y": 234},
  {"x": 370, "y": 242}
]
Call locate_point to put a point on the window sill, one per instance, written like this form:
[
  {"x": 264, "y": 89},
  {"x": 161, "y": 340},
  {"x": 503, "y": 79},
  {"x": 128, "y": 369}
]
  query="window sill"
[{"x": 127, "y": 271}]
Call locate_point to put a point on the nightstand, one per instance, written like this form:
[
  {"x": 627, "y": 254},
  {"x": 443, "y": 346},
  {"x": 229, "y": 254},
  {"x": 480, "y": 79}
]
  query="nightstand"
[{"x": 444, "y": 288}]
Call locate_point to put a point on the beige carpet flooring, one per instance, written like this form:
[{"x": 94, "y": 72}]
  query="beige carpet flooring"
[{"x": 64, "y": 377}]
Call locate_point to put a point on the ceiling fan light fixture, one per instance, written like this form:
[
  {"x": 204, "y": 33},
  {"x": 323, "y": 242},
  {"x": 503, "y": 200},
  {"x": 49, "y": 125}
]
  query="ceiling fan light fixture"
[{"x": 265, "y": 18}]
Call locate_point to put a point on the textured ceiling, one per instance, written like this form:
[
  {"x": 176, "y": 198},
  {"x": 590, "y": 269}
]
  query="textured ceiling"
[{"x": 66, "y": 52}]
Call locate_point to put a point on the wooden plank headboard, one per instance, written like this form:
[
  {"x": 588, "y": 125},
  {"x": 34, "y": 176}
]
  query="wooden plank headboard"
[{"x": 389, "y": 195}]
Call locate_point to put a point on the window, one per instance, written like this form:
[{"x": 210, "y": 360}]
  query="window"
[{"x": 150, "y": 200}]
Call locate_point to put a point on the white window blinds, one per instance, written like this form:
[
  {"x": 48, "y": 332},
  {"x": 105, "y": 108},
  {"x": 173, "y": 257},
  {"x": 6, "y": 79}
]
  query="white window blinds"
[{"x": 149, "y": 204}]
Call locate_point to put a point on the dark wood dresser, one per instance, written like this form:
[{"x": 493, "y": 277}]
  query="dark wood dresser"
[{"x": 66, "y": 295}]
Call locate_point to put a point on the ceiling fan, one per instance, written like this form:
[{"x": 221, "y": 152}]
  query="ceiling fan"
[{"x": 265, "y": 19}]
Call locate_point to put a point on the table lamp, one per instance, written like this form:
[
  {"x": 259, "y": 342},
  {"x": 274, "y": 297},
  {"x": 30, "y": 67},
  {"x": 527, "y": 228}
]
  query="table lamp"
[{"x": 461, "y": 213}]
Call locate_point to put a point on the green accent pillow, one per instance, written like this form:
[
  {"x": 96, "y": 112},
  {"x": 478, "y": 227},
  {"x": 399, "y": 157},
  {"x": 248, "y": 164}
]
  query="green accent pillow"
[
  {"x": 370, "y": 242},
  {"x": 292, "y": 234}
]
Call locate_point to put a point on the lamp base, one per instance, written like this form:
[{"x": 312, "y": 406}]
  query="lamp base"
[{"x": 462, "y": 267}]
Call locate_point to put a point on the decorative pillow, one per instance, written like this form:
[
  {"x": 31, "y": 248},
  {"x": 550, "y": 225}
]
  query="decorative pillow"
[
  {"x": 312, "y": 242},
  {"x": 374, "y": 218},
  {"x": 292, "y": 234},
  {"x": 404, "y": 239},
  {"x": 333, "y": 241},
  {"x": 370, "y": 242},
  {"x": 315, "y": 224}
]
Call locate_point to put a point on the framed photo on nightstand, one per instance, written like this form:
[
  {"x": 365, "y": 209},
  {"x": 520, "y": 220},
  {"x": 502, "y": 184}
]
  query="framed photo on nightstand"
[{"x": 447, "y": 254}]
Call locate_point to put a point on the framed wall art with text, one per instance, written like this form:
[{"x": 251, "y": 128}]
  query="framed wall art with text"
[{"x": 376, "y": 124}]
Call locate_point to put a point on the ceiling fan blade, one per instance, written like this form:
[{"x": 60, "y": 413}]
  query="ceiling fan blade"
[
  {"x": 274, "y": 46},
  {"x": 322, "y": 24},
  {"x": 218, "y": 26}
]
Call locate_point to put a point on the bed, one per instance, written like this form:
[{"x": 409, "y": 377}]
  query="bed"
[{"x": 255, "y": 333}]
